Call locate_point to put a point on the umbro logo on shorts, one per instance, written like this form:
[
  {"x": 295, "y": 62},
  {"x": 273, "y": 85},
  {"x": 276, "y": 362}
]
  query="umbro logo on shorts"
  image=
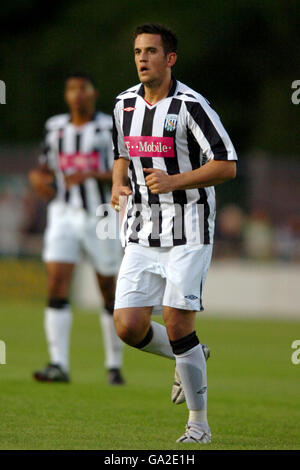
[{"x": 191, "y": 297}]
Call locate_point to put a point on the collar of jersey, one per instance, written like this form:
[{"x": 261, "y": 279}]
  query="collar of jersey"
[
  {"x": 93, "y": 119},
  {"x": 141, "y": 92}
]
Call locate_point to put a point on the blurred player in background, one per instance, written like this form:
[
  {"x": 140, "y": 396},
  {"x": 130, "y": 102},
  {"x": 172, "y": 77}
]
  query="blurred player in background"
[
  {"x": 75, "y": 173},
  {"x": 170, "y": 150}
]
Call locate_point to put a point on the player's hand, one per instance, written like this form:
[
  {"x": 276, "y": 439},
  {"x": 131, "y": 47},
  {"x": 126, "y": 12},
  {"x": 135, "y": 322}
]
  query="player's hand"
[
  {"x": 158, "y": 181},
  {"x": 42, "y": 182},
  {"x": 75, "y": 178},
  {"x": 119, "y": 193}
]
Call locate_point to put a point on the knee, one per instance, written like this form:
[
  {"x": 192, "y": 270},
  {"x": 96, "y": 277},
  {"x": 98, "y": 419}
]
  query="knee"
[
  {"x": 57, "y": 286},
  {"x": 131, "y": 330}
]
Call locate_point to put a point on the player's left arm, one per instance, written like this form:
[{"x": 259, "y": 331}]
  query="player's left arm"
[
  {"x": 80, "y": 176},
  {"x": 208, "y": 131},
  {"x": 213, "y": 173}
]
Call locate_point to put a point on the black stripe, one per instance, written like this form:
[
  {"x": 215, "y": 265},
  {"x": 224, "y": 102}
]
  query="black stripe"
[
  {"x": 179, "y": 196},
  {"x": 45, "y": 146},
  {"x": 115, "y": 135},
  {"x": 101, "y": 191},
  {"x": 60, "y": 150},
  {"x": 127, "y": 121},
  {"x": 195, "y": 159},
  {"x": 201, "y": 287},
  {"x": 81, "y": 186},
  {"x": 153, "y": 199},
  {"x": 146, "y": 340},
  {"x": 100, "y": 185},
  {"x": 57, "y": 303},
  {"x": 179, "y": 93},
  {"x": 128, "y": 115},
  {"x": 208, "y": 129},
  {"x": 60, "y": 140},
  {"x": 184, "y": 344}
]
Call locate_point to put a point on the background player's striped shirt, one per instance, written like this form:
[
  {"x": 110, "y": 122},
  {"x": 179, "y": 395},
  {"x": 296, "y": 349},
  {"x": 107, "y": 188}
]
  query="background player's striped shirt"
[
  {"x": 178, "y": 134},
  {"x": 68, "y": 149}
]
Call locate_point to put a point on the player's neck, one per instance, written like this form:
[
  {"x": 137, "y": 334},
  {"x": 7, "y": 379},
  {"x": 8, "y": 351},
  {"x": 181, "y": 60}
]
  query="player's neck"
[
  {"x": 79, "y": 118},
  {"x": 155, "y": 93}
]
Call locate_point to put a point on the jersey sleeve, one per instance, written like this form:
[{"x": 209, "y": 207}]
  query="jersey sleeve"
[
  {"x": 119, "y": 147},
  {"x": 206, "y": 126},
  {"x": 107, "y": 151},
  {"x": 44, "y": 157}
]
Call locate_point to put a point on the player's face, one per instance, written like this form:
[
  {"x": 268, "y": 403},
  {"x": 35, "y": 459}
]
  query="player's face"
[
  {"x": 150, "y": 59},
  {"x": 80, "y": 95}
]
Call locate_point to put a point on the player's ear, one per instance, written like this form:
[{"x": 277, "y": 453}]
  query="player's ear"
[{"x": 171, "y": 60}]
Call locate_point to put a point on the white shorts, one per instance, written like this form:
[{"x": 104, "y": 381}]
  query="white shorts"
[
  {"x": 70, "y": 232},
  {"x": 158, "y": 277}
]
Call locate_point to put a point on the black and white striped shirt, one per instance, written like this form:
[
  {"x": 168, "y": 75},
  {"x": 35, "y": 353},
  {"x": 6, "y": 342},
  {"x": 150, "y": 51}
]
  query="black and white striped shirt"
[
  {"x": 178, "y": 134},
  {"x": 69, "y": 149}
]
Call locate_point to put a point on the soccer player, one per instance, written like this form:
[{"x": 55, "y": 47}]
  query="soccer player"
[
  {"x": 170, "y": 149},
  {"x": 75, "y": 173}
]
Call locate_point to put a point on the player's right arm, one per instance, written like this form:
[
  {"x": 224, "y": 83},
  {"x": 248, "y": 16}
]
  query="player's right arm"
[
  {"x": 120, "y": 180},
  {"x": 120, "y": 185},
  {"x": 41, "y": 179}
]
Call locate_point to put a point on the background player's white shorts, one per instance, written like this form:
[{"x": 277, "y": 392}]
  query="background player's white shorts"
[
  {"x": 70, "y": 231},
  {"x": 171, "y": 276}
]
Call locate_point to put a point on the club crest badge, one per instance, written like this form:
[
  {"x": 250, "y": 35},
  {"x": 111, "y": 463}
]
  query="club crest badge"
[{"x": 171, "y": 122}]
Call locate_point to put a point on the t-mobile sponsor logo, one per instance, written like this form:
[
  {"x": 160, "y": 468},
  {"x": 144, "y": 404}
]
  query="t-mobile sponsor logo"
[
  {"x": 79, "y": 161},
  {"x": 148, "y": 146}
]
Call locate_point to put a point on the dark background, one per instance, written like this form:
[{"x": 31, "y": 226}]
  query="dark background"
[{"x": 241, "y": 55}]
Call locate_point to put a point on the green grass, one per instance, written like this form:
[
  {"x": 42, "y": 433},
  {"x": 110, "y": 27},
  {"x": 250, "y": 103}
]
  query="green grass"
[{"x": 253, "y": 389}]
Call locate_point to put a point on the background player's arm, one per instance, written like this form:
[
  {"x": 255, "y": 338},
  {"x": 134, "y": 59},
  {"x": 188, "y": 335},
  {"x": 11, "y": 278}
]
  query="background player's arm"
[
  {"x": 42, "y": 179},
  {"x": 79, "y": 177}
]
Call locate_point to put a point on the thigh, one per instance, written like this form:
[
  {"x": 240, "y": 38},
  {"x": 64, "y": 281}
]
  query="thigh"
[
  {"x": 186, "y": 271},
  {"x": 59, "y": 276},
  {"x": 107, "y": 286},
  {"x": 105, "y": 255},
  {"x": 61, "y": 240},
  {"x": 139, "y": 282}
]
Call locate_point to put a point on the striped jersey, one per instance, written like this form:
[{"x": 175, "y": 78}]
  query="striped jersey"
[
  {"x": 69, "y": 148},
  {"x": 178, "y": 134}
]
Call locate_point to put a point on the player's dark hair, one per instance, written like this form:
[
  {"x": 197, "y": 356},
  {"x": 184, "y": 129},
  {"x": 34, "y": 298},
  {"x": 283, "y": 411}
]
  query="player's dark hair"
[
  {"x": 169, "y": 39},
  {"x": 82, "y": 75}
]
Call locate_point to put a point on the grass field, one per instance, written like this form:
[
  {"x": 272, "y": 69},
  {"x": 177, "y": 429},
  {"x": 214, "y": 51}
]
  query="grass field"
[{"x": 254, "y": 389}]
